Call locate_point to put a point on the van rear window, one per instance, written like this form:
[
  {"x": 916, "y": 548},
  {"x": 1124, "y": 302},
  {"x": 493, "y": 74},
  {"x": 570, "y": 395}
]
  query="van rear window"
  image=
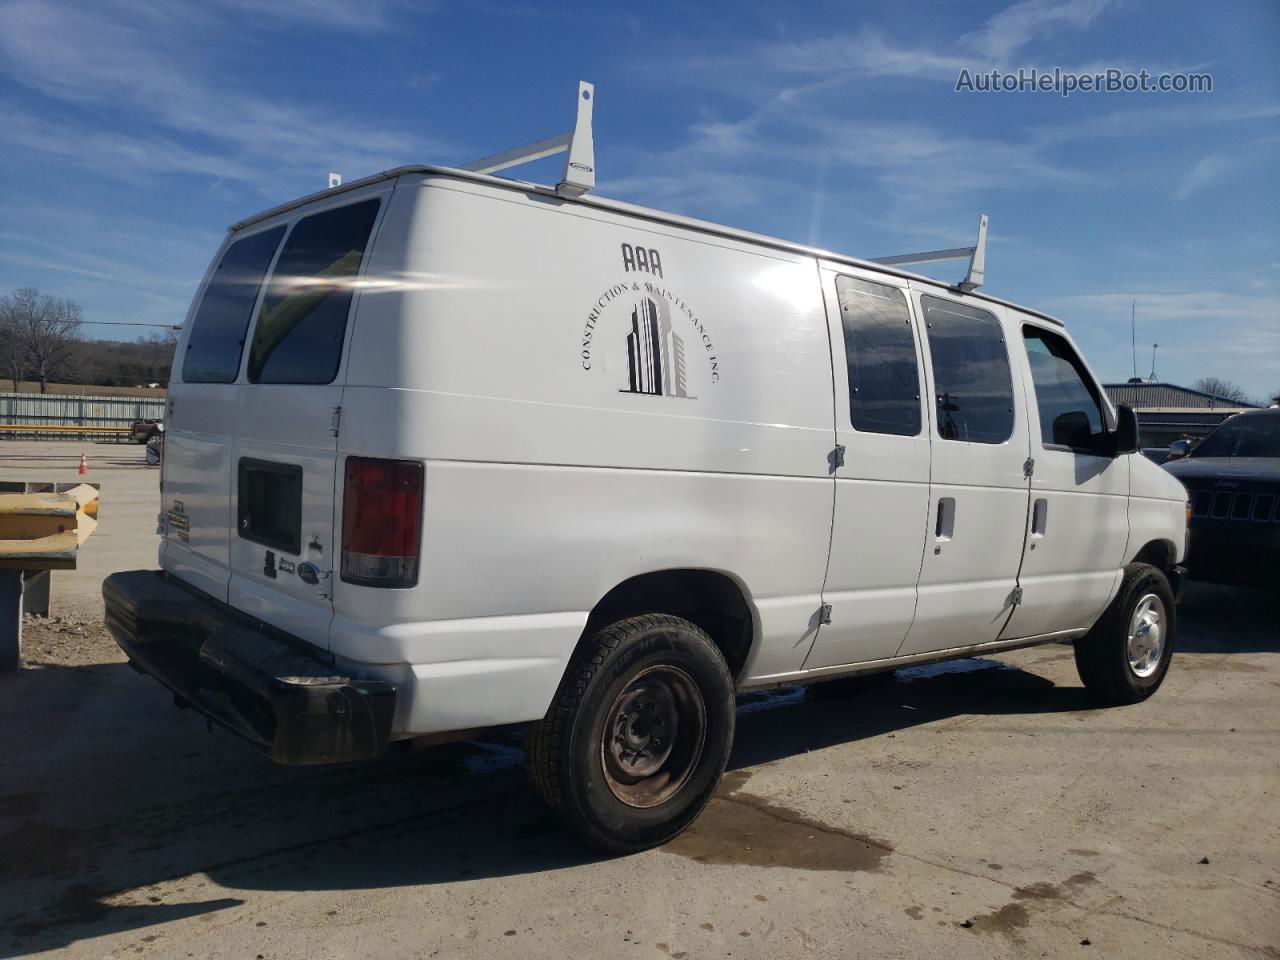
[
  {"x": 880, "y": 349},
  {"x": 972, "y": 383},
  {"x": 303, "y": 318},
  {"x": 218, "y": 330}
]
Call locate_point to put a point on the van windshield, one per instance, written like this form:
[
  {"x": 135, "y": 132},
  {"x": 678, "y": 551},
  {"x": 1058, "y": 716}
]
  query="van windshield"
[{"x": 1256, "y": 435}]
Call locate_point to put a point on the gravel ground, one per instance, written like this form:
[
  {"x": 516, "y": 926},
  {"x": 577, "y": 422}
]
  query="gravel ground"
[{"x": 129, "y": 500}]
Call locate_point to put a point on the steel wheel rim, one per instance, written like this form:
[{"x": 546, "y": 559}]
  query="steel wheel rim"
[
  {"x": 653, "y": 736},
  {"x": 1147, "y": 634}
]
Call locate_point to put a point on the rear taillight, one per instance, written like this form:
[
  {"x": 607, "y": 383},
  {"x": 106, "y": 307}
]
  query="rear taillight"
[{"x": 381, "y": 522}]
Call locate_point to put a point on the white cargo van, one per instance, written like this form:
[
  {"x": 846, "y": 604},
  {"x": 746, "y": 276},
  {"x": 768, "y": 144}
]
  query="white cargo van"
[{"x": 446, "y": 451}]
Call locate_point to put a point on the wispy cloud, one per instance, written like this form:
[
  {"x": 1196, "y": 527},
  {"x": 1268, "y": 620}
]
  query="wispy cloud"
[
  {"x": 109, "y": 59},
  {"x": 1013, "y": 28},
  {"x": 1207, "y": 169},
  {"x": 1200, "y": 331}
]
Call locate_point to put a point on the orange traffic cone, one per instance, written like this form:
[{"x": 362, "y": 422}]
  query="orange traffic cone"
[{"x": 84, "y": 467}]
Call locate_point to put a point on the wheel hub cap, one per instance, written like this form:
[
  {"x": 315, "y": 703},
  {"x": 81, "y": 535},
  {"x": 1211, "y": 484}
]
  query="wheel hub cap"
[
  {"x": 1146, "y": 635},
  {"x": 653, "y": 736}
]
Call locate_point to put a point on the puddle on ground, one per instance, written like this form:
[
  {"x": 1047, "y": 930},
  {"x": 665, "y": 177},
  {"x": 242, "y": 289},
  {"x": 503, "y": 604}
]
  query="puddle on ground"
[
  {"x": 1054, "y": 891},
  {"x": 738, "y": 828},
  {"x": 1012, "y": 917},
  {"x": 19, "y": 804},
  {"x": 1228, "y": 663},
  {"x": 76, "y": 905},
  {"x": 37, "y": 849},
  {"x": 1008, "y": 919}
]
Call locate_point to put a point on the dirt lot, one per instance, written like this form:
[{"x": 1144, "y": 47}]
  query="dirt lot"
[
  {"x": 982, "y": 809},
  {"x": 130, "y": 500}
]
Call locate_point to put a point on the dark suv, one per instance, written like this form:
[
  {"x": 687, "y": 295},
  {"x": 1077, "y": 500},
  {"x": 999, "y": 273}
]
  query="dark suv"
[{"x": 1233, "y": 484}]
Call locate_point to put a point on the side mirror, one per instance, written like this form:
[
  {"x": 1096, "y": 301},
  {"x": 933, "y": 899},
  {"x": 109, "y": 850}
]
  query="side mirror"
[
  {"x": 1179, "y": 449},
  {"x": 1126, "y": 432}
]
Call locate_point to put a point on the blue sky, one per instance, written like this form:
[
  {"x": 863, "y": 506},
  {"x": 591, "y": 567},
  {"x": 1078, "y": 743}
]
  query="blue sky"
[{"x": 132, "y": 132}]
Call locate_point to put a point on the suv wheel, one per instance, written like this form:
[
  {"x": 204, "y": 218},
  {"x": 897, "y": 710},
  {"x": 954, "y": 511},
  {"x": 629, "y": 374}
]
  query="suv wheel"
[
  {"x": 638, "y": 734},
  {"x": 1126, "y": 655}
]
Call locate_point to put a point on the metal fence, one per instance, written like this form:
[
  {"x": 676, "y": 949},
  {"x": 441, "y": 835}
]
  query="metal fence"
[{"x": 64, "y": 413}]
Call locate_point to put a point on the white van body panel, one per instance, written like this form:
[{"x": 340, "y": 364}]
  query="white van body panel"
[
  {"x": 597, "y": 393},
  {"x": 512, "y": 386}
]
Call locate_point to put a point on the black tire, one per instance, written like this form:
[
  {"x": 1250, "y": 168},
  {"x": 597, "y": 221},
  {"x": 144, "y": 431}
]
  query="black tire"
[
  {"x": 1103, "y": 654},
  {"x": 613, "y": 681}
]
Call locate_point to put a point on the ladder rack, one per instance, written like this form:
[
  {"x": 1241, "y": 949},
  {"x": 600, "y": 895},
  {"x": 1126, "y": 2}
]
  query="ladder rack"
[
  {"x": 580, "y": 177},
  {"x": 977, "y": 256},
  {"x": 580, "y": 164}
]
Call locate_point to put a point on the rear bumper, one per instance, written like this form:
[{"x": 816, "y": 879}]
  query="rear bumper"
[{"x": 284, "y": 696}]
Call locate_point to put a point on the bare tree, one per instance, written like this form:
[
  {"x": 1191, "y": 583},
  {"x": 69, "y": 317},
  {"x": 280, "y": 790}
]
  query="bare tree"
[
  {"x": 47, "y": 331},
  {"x": 1222, "y": 388},
  {"x": 13, "y": 351}
]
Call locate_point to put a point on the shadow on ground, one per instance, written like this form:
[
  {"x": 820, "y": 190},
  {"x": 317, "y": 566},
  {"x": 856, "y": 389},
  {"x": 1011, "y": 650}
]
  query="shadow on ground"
[{"x": 1218, "y": 619}]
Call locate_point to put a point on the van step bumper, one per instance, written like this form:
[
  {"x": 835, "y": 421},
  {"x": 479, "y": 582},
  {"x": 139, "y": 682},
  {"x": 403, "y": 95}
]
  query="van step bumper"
[{"x": 284, "y": 696}]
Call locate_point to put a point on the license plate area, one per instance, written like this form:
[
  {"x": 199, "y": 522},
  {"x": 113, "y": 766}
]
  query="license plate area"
[{"x": 269, "y": 504}]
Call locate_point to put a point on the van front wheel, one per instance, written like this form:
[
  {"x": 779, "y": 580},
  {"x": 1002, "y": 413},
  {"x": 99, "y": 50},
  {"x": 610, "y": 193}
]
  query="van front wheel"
[
  {"x": 638, "y": 734},
  {"x": 1126, "y": 655}
]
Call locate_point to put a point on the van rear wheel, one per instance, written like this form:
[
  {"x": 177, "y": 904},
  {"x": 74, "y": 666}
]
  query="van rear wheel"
[
  {"x": 1126, "y": 655},
  {"x": 638, "y": 734}
]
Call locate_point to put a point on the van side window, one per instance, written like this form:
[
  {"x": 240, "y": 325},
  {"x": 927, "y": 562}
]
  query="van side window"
[
  {"x": 303, "y": 318},
  {"x": 1070, "y": 408},
  {"x": 216, "y": 342},
  {"x": 972, "y": 383},
  {"x": 880, "y": 349}
]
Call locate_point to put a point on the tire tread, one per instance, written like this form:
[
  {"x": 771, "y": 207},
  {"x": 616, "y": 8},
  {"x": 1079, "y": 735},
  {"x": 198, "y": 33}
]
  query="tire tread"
[
  {"x": 1102, "y": 673},
  {"x": 548, "y": 742}
]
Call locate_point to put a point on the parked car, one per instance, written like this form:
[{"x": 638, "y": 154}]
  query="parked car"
[
  {"x": 448, "y": 451},
  {"x": 1233, "y": 484},
  {"x": 143, "y": 430}
]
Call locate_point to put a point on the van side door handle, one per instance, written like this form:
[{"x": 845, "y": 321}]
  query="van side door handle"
[
  {"x": 1039, "y": 517},
  {"x": 945, "y": 525}
]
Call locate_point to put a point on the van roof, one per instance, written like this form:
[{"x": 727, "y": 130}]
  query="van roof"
[{"x": 644, "y": 213}]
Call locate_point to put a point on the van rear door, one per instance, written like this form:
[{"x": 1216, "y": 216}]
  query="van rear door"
[
  {"x": 288, "y": 411},
  {"x": 201, "y": 412}
]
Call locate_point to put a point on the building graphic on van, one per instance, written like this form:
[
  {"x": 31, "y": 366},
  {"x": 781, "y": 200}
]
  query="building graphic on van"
[{"x": 655, "y": 353}]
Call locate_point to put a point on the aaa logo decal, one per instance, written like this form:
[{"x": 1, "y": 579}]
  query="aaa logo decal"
[{"x": 650, "y": 336}]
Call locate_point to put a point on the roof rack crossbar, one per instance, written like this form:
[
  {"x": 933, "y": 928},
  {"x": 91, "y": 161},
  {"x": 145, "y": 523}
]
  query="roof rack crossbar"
[
  {"x": 580, "y": 164},
  {"x": 977, "y": 255}
]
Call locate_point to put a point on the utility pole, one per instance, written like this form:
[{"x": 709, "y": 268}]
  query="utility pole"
[{"x": 1133, "y": 335}]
